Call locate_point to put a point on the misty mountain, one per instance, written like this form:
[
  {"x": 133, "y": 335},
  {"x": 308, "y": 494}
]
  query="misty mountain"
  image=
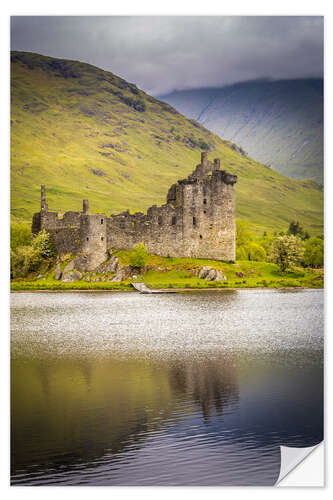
[{"x": 279, "y": 123}]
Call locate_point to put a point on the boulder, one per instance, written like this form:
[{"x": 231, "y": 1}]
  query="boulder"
[
  {"x": 220, "y": 276},
  {"x": 109, "y": 266},
  {"x": 69, "y": 267},
  {"x": 118, "y": 276},
  {"x": 77, "y": 275},
  {"x": 210, "y": 274},
  {"x": 57, "y": 272},
  {"x": 203, "y": 271},
  {"x": 123, "y": 272},
  {"x": 68, "y": 277},
  {"x": 113, "y": 264}
]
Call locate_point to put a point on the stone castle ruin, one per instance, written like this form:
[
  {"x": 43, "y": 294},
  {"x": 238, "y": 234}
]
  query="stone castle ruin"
[{"x": 197, "y": 220}]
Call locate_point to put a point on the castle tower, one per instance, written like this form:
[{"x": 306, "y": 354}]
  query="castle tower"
[
  {"x": 43, "y": 204},
  {"x": 204, "y": 158},
  {"x": 216, "y": 165},
  {"x": 85, "y": 208}
]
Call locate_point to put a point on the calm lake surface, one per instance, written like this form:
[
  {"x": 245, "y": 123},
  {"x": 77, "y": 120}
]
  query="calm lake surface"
[{"x": 199, "y": 388}]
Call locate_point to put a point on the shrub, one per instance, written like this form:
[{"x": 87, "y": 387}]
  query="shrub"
[
  {"x": 256, "y": 251},
  {"x": 24, "y": 260},
  {"x": 295, "y": 228},
  {"x": 314, "y": 252},
  {"x": 203, "y": 145},
  {"x": 246, "y": 248},
  {"x": 241, "y": 253},
  {"x": 287, "y": 251},
  {"x": 28, "y": 258},
  {"x": 243, "y": 235},
  {"x": 20, "y": 235},
  {"x": 139, "y": 255},
  {"x": 42, "y": 243}
]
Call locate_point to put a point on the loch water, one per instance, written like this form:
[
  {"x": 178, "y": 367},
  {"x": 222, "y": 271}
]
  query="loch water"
[{"x": 195, "y": 388}]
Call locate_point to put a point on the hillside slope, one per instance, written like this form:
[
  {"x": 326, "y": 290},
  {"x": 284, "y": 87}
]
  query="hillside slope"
[
  {"x": 279, "y": 123},
  {"x": 86, "y": 133}
]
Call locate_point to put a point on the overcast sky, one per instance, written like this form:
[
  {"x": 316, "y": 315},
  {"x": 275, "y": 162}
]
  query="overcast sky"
[{"x": 160, "y": 54}]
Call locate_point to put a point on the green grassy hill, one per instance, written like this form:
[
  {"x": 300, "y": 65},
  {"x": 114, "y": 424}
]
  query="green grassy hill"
[{"x": 86, "y": 133}]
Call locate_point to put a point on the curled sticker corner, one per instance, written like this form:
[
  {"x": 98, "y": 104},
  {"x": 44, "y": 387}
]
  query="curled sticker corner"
[{"x": 291, "y": 457}]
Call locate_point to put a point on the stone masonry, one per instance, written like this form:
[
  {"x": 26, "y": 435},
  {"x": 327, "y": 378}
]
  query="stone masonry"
[{"x": 197, "y": 220}]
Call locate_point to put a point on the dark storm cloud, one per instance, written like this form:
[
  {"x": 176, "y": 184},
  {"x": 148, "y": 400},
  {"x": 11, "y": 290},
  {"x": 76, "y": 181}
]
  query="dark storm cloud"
[{"x": 164, "y": 53}]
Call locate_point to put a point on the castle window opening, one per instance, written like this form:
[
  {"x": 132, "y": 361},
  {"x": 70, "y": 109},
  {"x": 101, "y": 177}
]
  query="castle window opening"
[
  {"x": 102, "y": 221},
  {"x": 160, "y": 220},
  {"x": 201, "y": 236},
  {"x": 205, "y": 201},
  {"x": 173, "y": 220},
  {"x": 102, "y": 238},
  {"x": 204, "y": 211},
  {"x": 122, "y": 225},
  {"x": 87, "y": 238},
  {"x": 194, "y": 221}
]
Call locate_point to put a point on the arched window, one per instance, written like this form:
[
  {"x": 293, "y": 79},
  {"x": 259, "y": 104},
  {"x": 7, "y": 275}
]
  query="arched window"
[{"x": 194, "y": 221}]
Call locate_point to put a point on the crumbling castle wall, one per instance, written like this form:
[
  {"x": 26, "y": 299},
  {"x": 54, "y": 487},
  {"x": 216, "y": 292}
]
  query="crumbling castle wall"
[{"x": 198, "y": 221}]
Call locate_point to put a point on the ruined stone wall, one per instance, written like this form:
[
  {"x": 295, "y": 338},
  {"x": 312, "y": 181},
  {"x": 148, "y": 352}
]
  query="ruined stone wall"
[{"x": 198, "y": 220}]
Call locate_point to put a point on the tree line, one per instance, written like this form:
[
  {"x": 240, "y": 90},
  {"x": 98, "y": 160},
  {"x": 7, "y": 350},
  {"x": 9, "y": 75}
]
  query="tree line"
[{"x": 286, "y": 249}]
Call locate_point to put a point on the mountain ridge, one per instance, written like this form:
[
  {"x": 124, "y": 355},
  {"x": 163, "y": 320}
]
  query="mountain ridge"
[
  {"x": 86, "y": 133},
  {"x": 278, "y": 122}
]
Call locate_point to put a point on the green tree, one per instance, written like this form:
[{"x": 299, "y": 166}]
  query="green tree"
[
  {"x": 256, "y": 251},
  {"x": 20, "y": 235},
  {"x": 243, "y": 235},
  {"x": 286, "y": 251},
  {"x": 139, "y": 256},
  {"x": 246, "y": 248},
  {"x": 295, "y": 228},
  {"x": 28, "y": 258},
  {"x": 43, "y": 244},
  {"x": 314, "y": 252}
]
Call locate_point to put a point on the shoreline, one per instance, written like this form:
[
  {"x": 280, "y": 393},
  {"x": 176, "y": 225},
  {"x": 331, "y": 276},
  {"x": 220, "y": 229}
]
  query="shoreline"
[{"x": 166, "y": 290}]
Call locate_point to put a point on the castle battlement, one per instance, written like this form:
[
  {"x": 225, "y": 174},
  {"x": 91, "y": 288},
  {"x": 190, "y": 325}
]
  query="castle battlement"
[{"x": 197, "y": 220}]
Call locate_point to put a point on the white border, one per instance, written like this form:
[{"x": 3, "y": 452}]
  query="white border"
[{"x": 144, "y": 7}]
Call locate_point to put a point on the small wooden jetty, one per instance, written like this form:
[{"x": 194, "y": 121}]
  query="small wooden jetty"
[{"x": 142, "y": 288}]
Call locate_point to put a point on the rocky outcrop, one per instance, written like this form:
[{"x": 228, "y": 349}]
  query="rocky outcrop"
[
  {"x": 210, "y": 274},
  {"x": 123, "y": 273},
  {"x": 57, "y": 272},
  {"x": 69, "y": 273},
  {"x": 109, "y": 266},
  {"x": 71, "y": 276}
]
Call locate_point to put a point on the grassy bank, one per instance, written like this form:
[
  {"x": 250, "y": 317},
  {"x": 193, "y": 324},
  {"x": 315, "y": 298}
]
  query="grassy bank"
[{"x": 164, "y": 272}]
